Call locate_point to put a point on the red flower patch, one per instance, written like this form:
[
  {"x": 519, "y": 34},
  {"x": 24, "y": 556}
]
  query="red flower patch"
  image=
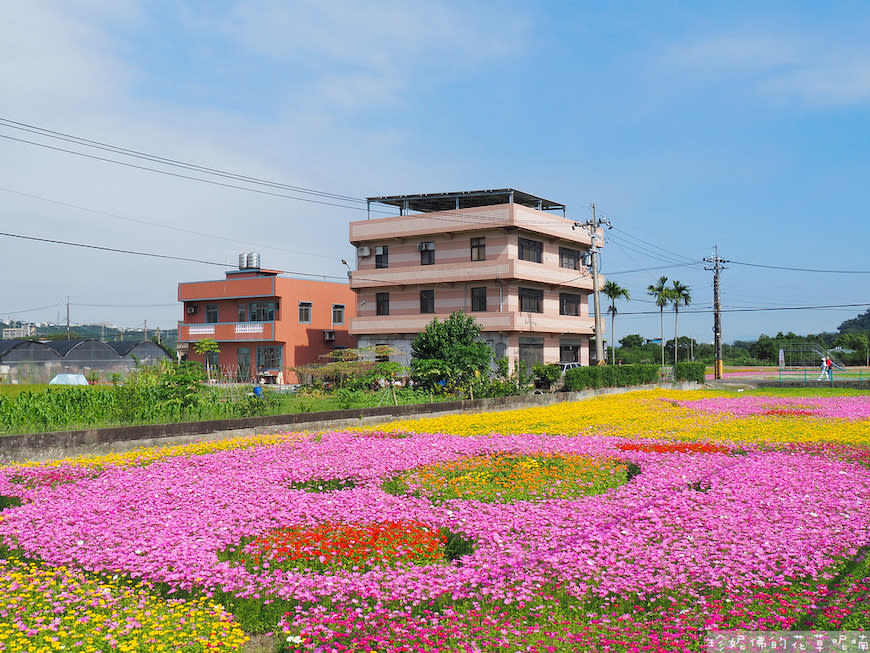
[
  {"x": 789, "y": 412},
  {"x": 676, "y": 447},
  {"x": 349, "y": 546}
]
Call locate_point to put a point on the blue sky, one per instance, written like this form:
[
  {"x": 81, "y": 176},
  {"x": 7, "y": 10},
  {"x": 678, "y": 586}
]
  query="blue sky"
[{"x": 742, "y": 125}]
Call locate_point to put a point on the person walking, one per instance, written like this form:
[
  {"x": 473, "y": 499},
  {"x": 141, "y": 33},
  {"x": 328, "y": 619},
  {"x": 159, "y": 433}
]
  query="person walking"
[
  {"x": 830, "y": 366},
  {"x": 823, "y": 375}
]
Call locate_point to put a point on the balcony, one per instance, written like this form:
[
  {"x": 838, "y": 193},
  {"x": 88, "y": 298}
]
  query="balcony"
[
  {"x": 226, "y": 331},
  {"x": 525, "y": 322},
  {"x": 502, "y": 270}
]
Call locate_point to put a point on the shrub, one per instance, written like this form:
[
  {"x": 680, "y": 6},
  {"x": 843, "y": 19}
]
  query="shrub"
[
  {"x": 581, "y": 378},
  {"x": 689, "y": 372},
  {"x": 546, "y": 374}
]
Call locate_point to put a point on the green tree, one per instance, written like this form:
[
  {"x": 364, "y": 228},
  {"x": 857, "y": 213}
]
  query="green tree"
[
  {"x": 452, "y": 350},
  {"x": 614, "y": 291},
  {"x": 205, "y": 347},
  {"x": 662, "y": 295},
  {"x": 631, "y": 341},
  {"x": 679, "y": 295}
]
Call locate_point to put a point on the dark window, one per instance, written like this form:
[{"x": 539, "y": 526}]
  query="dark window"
[
  {"x": 427, "y": 301},
  {"x": 243, "y": 312},
  {"x": 478, "y": 249},
  {"x": 478, "y": 299},
  {"x": 531, "y": 250},
  {"x": 569, "y": 304},
  {"x": 305, "y": 312},
  {"x": 382, "y": 303},
  {"x": 531, "y": 354},
  {"x": 211, "y": 313},
  {"x": 211, "y": 361},
  {"x": 531, "y": 300},
  {"x": 569, "y": 353},
  {"x": 569, "y": 258},
  {"x": 382, "y": 257},
  {"x": 338, "y": 313},
  {"x": 427, "y": 253},
  {"x": 262, "y": 311},
  {"x": 268, "y": 358}
]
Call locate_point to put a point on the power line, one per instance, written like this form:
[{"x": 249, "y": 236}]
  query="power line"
[
  {"x": 157, "y": 224},
  {"x": 70, "y": 138},
  {"x": 181, "y": 176},
  {"x": 160, "y": 256},
  {"x": 792, "y": 269}
]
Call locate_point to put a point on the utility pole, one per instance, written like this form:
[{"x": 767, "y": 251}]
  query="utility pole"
[
  {"x": 717, "y": 310},
  {"x": 592, "y": 227},
  {"x": 67, "y": 318},
  {"x": 146, "y": 329}
]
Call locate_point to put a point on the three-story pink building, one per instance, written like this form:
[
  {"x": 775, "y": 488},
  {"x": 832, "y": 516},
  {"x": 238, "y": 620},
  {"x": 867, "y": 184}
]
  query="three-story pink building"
[{"x": 511, "y": 260}]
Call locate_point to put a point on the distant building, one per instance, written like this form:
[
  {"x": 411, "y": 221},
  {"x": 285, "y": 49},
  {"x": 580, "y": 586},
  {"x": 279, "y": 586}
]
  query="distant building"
[
  {"x": 511, "y": 260},
  {"x": 264, "y": 324},
  {"x": 26, "y": 331}
]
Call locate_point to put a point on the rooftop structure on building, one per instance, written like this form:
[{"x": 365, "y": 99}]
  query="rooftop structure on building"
[{"x": 512, "y": 260}]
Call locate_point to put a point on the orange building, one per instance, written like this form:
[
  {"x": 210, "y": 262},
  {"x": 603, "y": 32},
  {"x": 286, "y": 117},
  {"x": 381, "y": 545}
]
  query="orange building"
[{"x": 264, "y": 324}]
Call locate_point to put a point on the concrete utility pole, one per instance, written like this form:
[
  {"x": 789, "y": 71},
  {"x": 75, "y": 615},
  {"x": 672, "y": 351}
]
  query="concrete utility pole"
[
  {"x": 592, "y": 227},
  {"x": 717, "y": 310},
  {"x": 67, "y": 318}
]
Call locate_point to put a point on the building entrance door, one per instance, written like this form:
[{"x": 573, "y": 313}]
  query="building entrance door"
[{"x": 244, "y": 362}]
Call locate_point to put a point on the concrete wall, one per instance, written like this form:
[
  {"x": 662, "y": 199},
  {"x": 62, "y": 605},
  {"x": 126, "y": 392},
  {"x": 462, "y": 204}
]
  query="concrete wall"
[{"x": 51, "y": 446}]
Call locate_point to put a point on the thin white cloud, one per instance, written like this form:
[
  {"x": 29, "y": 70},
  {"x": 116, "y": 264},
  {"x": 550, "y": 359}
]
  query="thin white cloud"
[{"x": 812, "y": 70}]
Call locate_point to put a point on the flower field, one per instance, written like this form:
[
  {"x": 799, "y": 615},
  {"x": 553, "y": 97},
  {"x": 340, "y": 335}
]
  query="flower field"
[{"x": 633, "y": 522}]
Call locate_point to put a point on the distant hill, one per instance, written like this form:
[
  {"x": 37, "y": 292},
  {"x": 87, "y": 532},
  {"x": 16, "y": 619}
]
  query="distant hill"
[{"x": 860, "y": 323}]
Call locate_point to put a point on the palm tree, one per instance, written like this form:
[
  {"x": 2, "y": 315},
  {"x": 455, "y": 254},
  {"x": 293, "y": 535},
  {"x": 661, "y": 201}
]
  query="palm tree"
[
  {"x": 662, "y": 294},
  {"x": 679, "y": 295},
  {"x": 614, "y": 291}
]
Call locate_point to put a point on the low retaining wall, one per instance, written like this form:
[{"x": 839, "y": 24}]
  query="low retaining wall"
[{"x": 64, "y": 444}]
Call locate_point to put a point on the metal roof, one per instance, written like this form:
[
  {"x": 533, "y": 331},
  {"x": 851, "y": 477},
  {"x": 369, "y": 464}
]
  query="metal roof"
[{"x": 427, "y": 202}]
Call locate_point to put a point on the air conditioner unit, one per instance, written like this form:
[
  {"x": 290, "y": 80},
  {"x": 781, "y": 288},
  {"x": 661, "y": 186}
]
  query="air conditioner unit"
[
  {"x": 328, "y": 335},
  {"x": 192, "y": 309},
  {"x": 364, "y": 251},
  {"x": 379, "y": 251}
]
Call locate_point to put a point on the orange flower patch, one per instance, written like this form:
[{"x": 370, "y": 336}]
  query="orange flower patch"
[{"x": 356, "y": 547}]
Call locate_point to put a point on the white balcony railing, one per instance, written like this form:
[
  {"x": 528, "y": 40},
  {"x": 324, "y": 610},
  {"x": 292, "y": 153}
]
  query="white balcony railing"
[
  {"x": 202, "y": 330},
  {"x": 249, "y": 327}
]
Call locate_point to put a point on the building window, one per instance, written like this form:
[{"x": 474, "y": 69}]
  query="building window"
[
  {"x": 427, "y": 301},
  {"x": 338, "y": 313},
  {"x": 427, "y": 253},
  {"x": 569, "y": 258},
  {"x": 531, "y": 250},
  {"x": 211, "y": 313},
  {"x": 211, "y": 361},
  {"x": 262, "y": 311},
  {"x": 382, "y": 257},
  {"x": 243, "y": 312},
  {"x": 569, "y": 304},
  {"x": 531, "y": 353},
  {"x": 478, "y": 299},
  {"x": 478, "y": 249},
  {"x": 382, "y": 303},
  {"x": 305, "y": 312},
  {"x": 569, "y": 353},
  {"x": 531, "y": 300},
  {"x": 269, "y": 358}
]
